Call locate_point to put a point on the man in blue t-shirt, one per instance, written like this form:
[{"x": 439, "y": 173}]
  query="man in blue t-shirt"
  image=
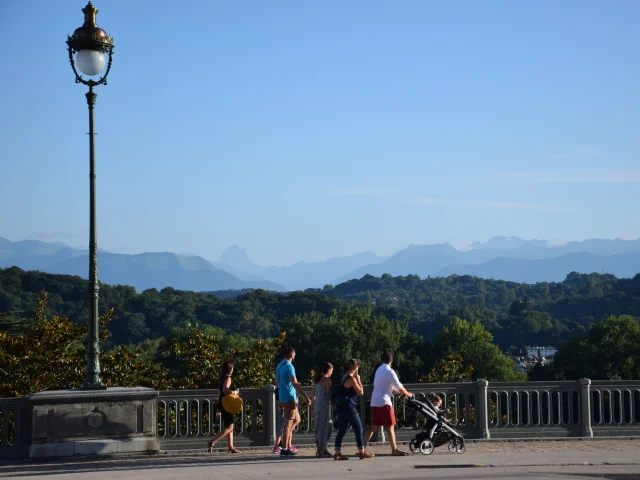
[{"x": 288, "y": 385}]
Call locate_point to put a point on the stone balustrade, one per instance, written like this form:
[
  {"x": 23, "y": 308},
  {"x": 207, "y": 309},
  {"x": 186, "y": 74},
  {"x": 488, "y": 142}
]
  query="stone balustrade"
[
  {"x": 15, "y": 416},
  {"x": 186, "y": 419}
]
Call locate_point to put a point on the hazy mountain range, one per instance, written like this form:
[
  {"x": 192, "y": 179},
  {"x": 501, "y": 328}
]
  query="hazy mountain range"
[
  {"x": 507, "y": 258},
  {"x": 143, "y": 271},
  {"x": 587, "y": 256},
  {"x": 298, "y": 276}
]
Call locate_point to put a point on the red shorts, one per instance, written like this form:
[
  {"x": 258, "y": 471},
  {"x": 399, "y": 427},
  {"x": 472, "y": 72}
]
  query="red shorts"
[{"x": 383, "y": 416}]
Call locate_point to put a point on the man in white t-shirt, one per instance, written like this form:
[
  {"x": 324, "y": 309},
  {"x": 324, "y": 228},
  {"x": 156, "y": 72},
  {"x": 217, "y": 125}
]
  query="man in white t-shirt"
[{"x": 385, "y": 385}]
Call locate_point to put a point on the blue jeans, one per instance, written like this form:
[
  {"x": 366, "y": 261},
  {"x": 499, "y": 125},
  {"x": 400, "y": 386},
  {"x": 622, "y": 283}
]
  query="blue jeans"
[{"x": 344, "y": 420}]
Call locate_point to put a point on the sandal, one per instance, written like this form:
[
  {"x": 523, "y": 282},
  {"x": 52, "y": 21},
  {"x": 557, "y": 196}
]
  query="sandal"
[
  {"x": 211, "y": 444},
  {"x": 339, "y": 456},
  {"x": 365, "y": 454},
  {"x": 232, "y": 450},
  {"x": 399, "y": 453}
]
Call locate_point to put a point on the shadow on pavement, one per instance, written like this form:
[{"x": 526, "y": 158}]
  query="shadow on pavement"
[{"x": 154, "y": 462}]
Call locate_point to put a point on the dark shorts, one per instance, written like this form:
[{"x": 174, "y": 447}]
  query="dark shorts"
[
  {"x": 383, "y": 416},
  {"x": 227, "y": 418}
]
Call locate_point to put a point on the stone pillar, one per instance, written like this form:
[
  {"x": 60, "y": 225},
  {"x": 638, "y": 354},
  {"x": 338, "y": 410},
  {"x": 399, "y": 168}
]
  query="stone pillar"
[
  {"x": 585, "y": 417},
  {"x": 269, "y": 409},
  {"x": 93, "y": 422},
  {"x": 482, "y": 410}
]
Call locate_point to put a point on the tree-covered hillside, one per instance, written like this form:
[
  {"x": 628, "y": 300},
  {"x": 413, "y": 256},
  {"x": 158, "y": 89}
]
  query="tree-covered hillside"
[
  {"x": 435, "y": 326},
  {"x": 544, "y": 313},
  {"x": 153, "y": 313},
  {"x": 516, "y": 314}
]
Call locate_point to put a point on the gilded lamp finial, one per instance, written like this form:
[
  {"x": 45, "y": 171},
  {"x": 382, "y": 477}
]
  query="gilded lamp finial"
[
  {"x": 90, "y": 13},
  {"x": 89, "y": 35}
]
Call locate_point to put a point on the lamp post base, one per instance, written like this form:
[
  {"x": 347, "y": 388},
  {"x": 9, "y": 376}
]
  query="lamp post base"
[
  {"x": 93, "y": 381},
  {"x": 93, "y": 386},
  {"x": 79, "y": 422}
]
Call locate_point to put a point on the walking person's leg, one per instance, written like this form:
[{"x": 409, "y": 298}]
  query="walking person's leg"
[
  {"x": 221, "y": 434},
  {"x": 291, "y": 418},
  {"x": 277, "y": 446},
  {"x": 386, "y": 417},
  {"x": 329, "y": 433},
  {"x": 286, "y": 434},
  {"x": 389, "y": 415},
  {"x": 356, "y": 424},
  {"x": 227, "y": 431},
  {"x": 369, "y": 433},
  {"x": 231, "y": 449},
  {"x": 296, "y": 422},
  {"x": 319, "y": 433},
  {"x": 375, "y": 424},
  {"x": 343, "y": 425},
  {"x": 391, "y": 434}
]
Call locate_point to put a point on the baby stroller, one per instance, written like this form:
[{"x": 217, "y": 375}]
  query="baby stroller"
[{"x": 435, "y": 432}]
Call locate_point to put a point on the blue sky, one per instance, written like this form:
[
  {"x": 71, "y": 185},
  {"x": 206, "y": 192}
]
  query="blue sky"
[{"x": 305, "y": 130}]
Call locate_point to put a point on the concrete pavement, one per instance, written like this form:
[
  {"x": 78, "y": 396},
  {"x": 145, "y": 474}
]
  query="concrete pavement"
[{"x": 614, "y": 459}]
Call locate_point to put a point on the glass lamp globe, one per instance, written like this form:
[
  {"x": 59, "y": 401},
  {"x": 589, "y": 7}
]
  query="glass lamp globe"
[{"x": 90, "y": 62}]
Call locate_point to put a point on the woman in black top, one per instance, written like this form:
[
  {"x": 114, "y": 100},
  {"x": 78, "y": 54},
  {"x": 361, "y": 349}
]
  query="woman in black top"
[
  {"x": 350, "y": 387},
  {"x": 226, "y": 387}
]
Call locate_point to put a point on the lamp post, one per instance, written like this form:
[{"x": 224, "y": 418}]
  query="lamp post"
[{"x": 90, "y": 44}]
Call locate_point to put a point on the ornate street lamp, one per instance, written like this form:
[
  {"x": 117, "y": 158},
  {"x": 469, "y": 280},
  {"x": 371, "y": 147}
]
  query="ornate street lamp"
[{"x": 90, "y": 44}]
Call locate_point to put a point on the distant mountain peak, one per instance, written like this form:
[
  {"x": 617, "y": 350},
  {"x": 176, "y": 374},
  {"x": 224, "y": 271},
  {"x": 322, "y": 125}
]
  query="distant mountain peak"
[
  {"x": 236, "y": 256},
  {"x": 500, "y": 242},
  {"x": 60, "y": 244},
  {"x": 432, "y": 248}
]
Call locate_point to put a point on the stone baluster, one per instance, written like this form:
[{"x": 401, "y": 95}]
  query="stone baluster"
[
  {"x": 585, "y": 417},
  {"x": 269, "y": 414},
  {"x": 482, "y": 410}
]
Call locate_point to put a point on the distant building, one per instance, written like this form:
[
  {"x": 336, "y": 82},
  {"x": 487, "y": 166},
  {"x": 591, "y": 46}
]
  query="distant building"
[{"x": 542, "y": 351}]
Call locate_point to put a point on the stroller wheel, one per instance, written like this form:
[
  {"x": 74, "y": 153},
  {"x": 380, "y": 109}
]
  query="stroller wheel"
[
  {"x": 426, "y": 447},
  {"x": 460, "y": 448},
  {"x": 413, "y": 446},
  {"x": 452, "y": 446}
]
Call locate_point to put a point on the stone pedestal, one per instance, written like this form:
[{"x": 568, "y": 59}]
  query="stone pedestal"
[{"x": 93, "y": 422}]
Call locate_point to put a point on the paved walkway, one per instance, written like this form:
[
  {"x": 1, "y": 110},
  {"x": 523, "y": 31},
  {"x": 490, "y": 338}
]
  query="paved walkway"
[{"x": 613, "y": 459}]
